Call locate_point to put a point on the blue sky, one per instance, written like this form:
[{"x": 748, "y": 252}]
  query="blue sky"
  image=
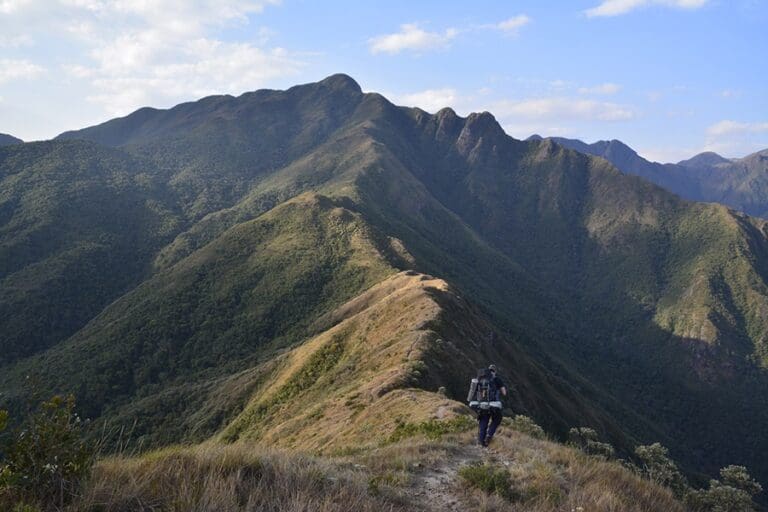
[{"x": 669, "y": 77}]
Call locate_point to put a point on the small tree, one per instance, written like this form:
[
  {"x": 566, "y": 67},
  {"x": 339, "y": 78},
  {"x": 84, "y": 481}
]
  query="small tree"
[
  {"x": 658, "y": 467},
  {"x": 588, "y": 441},
  {"x": 731, "y": 494},
  {"x": 527, "y": 426},
  {"x": 47, "y": 457},
  {"x": 738, "y": 477}
]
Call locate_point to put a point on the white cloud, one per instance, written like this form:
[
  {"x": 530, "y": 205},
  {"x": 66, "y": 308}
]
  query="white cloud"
[
  {"x": 11, "y": 6},
  {"x": 563, "y": 108},
  {"x": 139, "y": 52},
  {"x": 513, "y": 24},
  {"x": 734, "y": 148},
  {"x": 727, "y": 127},
  {"x": 730, "y": 93},
  {"x": 411, "y": 37},
  {"x": 11, "y": 69},
  {"x": 15, "y": 41},
  {"x": 550, "y": 115},
  {"x": 430, "y": 100},
  {"x": 618, "y": 7},
  {"x": 736, "y": 139},
  {"x": 603, "y": 89},
  {"x": 209, "y": 67}
]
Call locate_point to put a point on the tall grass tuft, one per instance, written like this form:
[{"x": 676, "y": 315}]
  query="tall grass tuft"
[{"x": 239, "y": 477}]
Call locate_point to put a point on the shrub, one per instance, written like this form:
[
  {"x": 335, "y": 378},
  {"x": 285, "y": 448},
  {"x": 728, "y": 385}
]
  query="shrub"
[
  {"x": 731, "y": 494},
  {"x": 587, "y": 440},
  {"x": 489, "y": 479},
  {"x": 527, "y": 426},
  {"x": 739, "y": 477},
  {"x": 658, "y": 467},
  {"x": 432, "y": 429},
  {"x": 47, "y": 457}
]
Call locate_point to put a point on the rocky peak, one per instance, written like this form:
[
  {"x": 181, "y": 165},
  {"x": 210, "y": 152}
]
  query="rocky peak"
[
  {"x": 341, "y": 82},
  {"x": 705, "y": 159}
]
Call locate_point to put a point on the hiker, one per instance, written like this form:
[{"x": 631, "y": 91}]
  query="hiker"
[{"x": 484, "y": 398}]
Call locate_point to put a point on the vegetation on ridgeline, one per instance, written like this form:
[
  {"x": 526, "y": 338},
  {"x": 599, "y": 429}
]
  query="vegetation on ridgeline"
[
  {"x": 181, "y": 269},
  {"x": 46, "y": 459},
  {"x": 48, "y": 464},
  {"x": 739, "y": 183}
]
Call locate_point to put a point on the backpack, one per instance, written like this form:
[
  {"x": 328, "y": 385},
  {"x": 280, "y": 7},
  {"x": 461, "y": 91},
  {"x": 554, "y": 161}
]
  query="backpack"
[{"x": 482, "y": 391}]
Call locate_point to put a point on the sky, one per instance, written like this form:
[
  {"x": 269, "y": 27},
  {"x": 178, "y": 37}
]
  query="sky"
[{"x": 671, "y": 78}]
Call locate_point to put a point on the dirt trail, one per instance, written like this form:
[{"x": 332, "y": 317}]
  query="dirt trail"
[{"x": 437, "y": 487}]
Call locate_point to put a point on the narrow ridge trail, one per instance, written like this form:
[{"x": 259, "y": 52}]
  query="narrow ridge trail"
[{"x": 437, "y": 486}]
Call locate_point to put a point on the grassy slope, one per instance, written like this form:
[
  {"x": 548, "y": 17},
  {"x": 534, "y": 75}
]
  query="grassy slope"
[
  {"x": 161, "y": 351},
  {"x": 415, "y": 474},
  {"x": 381, "y": 364}
]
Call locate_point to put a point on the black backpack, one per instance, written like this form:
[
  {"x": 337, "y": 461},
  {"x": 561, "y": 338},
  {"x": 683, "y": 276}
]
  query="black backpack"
[
  {"x": 483, "y": 393},
  {"x": 485, "y": 390}
]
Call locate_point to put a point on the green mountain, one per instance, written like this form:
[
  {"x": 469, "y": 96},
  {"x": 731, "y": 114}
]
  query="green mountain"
[
  {"x": 741, "y": 183},
  {"x": 7, "y": 140},
  {"x": 79, "y": 226},
  {"x": 310, "y": 267}
]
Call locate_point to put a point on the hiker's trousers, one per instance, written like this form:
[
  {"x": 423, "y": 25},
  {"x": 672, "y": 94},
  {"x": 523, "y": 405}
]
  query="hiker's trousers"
[{"x": 487, "y": 424}]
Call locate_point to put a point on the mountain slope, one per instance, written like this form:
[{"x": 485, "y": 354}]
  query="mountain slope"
[
  {"x": 645, "y": 313},
  {"x": 253, "y": 290},
  {"x": 740, "y": 183},
  {"x": 79, "y": 224},
  {"x": 380, "y": 364},
  {"x": 215, "y": 150},
  {"x": 7, "y": 140}
]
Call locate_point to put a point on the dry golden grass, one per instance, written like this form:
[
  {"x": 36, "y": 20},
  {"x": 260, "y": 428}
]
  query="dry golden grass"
[
  {"x": 543, "y": 477},
  {"x": 548, "y": 477},
  {"x": 238, "y": 477},
  {"x": 358, "y": 393}
]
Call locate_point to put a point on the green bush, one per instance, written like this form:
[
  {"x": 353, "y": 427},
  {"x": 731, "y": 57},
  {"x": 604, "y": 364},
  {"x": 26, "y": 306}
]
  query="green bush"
[
  {"x": 489, "y": 479},
  {"x": 733, "y": 493},
  {"x": 432, "y": 429},
  {"x": 658, "y": 467},
  {"x": 46, "y": 458},
  {"x": 526, "y": 425},
  {"x": 587, "y": 440}
]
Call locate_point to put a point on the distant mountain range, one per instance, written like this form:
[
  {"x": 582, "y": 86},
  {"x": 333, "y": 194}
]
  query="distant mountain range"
[
  {"x": 740, "y": 183},
  {"x": 315, "y": 266},
  {"x": 6, "y": 140}
]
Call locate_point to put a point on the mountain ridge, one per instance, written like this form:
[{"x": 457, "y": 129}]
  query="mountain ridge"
[
  {"x": 6, "y": 140},
  {"x": 740, "y": 183},
  {"x": 646, "y": 310}
]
